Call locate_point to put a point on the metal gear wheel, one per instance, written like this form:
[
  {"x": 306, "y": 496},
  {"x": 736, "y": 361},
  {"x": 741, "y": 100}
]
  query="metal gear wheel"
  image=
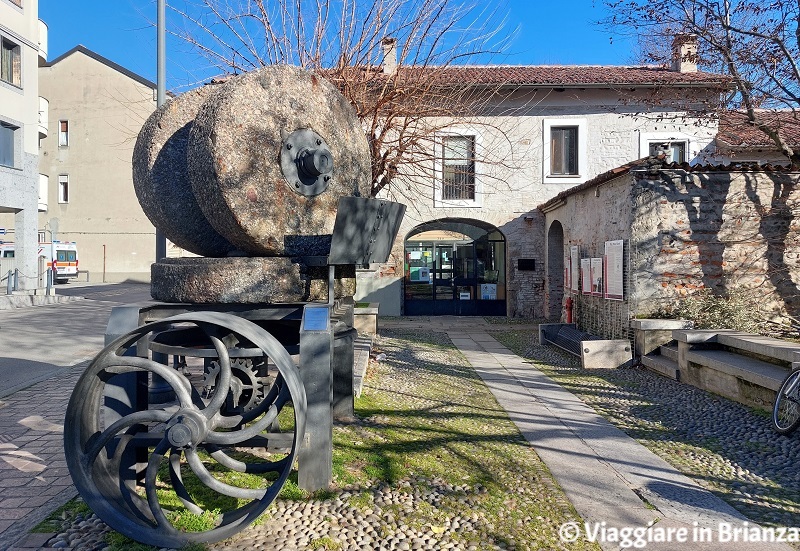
[{"x": 249, "y": 383}]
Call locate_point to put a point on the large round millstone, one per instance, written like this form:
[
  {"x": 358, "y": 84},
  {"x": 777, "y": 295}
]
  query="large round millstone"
[
  {"x": 161, "y": 177},
  {"x": 246, "y": 280},
  {"x": 235, "y": 152}
]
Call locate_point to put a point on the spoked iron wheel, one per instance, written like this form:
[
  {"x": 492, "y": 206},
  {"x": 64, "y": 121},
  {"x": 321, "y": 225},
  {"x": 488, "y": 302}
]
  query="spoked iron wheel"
[
  {"x": 193, "y": 470},
  {"x": 786, "y": 413}
]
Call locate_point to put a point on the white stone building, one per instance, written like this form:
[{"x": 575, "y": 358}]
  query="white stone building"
[
  {"x": 23, "y": 121},
  {"x": 472, "y": 242}
]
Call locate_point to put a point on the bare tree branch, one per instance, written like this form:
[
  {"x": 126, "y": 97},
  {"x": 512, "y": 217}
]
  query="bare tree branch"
[
  {"x": 398, "y": 93},
  {"x": 756, "y": 42}
]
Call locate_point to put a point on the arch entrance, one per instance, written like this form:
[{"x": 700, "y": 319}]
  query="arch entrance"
[
  {"x": 455, "y": 267},
  {"x": 555, "y": 270}
]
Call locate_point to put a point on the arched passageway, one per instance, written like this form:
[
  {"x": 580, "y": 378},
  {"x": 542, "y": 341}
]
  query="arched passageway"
[{"x": 455, "y": 267}]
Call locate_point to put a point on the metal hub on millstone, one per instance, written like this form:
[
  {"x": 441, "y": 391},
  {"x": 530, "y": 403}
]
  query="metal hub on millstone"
[{"x": 306, "y": 162}]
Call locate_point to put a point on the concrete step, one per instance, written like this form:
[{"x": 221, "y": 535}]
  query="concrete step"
[
  {"x": 670, "y": 351},
  {"x": 662, "y": 365},
  {"x": 764, "y": 374}
]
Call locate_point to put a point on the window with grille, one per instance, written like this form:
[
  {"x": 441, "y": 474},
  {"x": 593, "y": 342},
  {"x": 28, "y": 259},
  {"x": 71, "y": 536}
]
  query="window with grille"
[
  {"x": 10, "y": 62},
  {"x": 458, "y": 168}
]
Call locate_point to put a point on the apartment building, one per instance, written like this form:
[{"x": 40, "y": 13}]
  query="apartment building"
[
  {"x": 96, "y": 111},
  {"x": 23, "y": 122}
]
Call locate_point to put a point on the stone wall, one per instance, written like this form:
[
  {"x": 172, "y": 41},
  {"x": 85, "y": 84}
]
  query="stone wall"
[
  {"x": 525, "y": 288},
  {"x": 589, "y": 218},
  {"x": 716, "y": 230},
  {"x": 685, "y": 231}
]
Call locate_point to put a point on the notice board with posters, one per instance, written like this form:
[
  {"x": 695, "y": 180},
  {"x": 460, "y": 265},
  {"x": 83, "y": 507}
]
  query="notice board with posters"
[
  {"x": 586, "y": 275},
  {"x": 574, "y": 259},
  {"x": 614, "y": 273},
  {"x": 597, "y": 277}
]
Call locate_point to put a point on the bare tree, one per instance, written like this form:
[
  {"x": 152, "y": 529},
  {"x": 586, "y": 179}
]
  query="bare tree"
[
  {"x": 755, "y": 42},
  {"x": 391, "y": 58}
]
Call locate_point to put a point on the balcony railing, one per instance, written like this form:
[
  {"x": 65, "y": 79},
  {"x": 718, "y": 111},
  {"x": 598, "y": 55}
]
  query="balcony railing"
[{"x": 44, "y": 115}]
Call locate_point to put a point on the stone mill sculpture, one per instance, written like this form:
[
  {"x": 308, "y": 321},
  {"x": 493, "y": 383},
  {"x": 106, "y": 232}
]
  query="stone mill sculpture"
[{"x": 234, "y": 375}]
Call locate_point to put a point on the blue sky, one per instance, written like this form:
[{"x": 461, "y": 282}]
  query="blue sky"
[{"x": 562, "y": 32}]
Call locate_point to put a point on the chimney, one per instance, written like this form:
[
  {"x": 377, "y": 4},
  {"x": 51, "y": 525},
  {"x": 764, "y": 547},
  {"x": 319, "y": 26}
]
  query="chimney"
[
  {"x": 389, "y": 47},
  {"x": 684, "y": 53}
]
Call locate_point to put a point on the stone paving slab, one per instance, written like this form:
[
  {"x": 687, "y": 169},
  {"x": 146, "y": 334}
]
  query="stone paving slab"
[
  {"x": 34, "y": 480},
  {"x": 609, "y": 477}
]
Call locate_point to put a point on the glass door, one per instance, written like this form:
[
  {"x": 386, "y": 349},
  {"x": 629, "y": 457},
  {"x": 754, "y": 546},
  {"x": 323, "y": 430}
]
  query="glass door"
[{"x": 443, "y": 273}]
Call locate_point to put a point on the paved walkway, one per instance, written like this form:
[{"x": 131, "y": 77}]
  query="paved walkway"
[
  {"x": 611, "y": 479},
  {"x": 608, "y": 477}
]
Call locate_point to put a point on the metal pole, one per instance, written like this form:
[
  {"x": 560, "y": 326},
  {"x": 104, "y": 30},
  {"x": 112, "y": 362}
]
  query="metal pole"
[{"x": 161, "y": 97}]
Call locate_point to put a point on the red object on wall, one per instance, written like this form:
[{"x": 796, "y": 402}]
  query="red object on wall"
[{"x": 568, "y": 308}]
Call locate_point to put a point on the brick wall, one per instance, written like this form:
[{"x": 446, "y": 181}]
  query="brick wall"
[
  {"x": 717, "y": 230},
  {"x": 686, "y": 231}
]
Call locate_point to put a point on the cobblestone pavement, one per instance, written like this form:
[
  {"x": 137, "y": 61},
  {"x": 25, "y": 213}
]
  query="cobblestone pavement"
[{"x": 44, "y": 468}]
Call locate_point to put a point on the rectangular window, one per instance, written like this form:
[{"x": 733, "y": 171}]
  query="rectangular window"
[
  {"x": 10, "y": 63},
  {"x": 458, "y": 168},
  {"x": 564, "y": 150},
  {"x": 675, "y": 151},
  {"x": 63, "y": 188},
  {"x": 63, "y": 133},
  {"x": 7, "y": 138}
]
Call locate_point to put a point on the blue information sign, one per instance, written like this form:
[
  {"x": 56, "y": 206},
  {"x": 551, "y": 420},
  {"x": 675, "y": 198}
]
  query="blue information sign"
[{"x": 315, "y": 318}]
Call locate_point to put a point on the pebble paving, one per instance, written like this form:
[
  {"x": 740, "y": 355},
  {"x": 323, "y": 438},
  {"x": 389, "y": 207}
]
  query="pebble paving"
[{"x": 726, "y": 447}]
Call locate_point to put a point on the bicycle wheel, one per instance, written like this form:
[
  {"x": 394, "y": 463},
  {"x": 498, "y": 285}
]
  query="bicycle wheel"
[{"x": 786, "y": 413}]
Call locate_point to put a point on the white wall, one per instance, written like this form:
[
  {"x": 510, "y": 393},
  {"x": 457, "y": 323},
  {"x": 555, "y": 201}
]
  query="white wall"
[{"x": 512, "y": 173}]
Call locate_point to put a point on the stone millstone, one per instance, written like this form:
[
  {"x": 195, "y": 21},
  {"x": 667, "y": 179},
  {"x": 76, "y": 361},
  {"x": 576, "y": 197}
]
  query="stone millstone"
[
  {"x": 246, "y": 280},
  {"x": 234, "y": 160},
  {"x": 161, "y": 177}
]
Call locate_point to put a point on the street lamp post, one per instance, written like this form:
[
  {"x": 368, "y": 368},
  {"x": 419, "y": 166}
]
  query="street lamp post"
[{"x": 161, "y": 97}]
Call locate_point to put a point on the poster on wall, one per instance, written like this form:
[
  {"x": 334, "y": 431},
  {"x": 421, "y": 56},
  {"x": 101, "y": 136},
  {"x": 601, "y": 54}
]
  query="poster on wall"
[
  {"x": 597, "y": 277},
  {"x": 614, "y": 276},
  {"x": 586, "y": 276},
  {"x": 573, "y": 262},
  {"x": 420, "y": 274},
  {"x": 488, "y": 291}
]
